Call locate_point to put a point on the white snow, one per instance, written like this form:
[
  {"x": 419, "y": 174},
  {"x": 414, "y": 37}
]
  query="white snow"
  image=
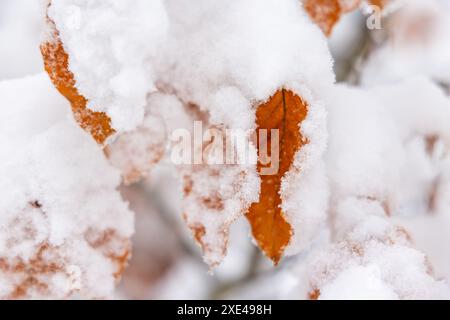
[
  {"x": 380, "y": 164},
  {"x": 219, "y": 55},
  {"x": 418, "y": 45},
  {"x": 111, "y": 45},
  {"x": 58, "y": 200},
  {"x": 367, "y": 197},
  {"x": 21, "y": 24}
]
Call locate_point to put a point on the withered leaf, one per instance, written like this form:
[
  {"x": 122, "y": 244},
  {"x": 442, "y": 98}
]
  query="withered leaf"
[
  {"x": 284, "y": 111},
  {"x": 379, "y": 3},
  {"x": 56, "y": 62},
  {"x": 214, "y": 197},
  {"x": 326, "y": 13}
]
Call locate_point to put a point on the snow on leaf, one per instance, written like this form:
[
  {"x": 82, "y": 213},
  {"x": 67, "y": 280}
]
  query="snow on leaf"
[
  {"x": 284, "y": 111},
  {"x": 373, "y": 263},
  {"x": 65, "y": 230},
  {"x": 213, "y": 200},
  {"x": 326, "y": 13},
  {"x": 112, "y": 47},
  {"x": 214, "y": 195},
  {"x": 136, "y": 153},
  {"x": 56, "y": 61},
  {"x": 121, "y": 56},
  {"x": 372, "y": 255}
]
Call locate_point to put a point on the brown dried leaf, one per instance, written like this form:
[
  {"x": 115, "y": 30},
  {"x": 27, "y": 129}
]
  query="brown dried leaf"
[
  {"x": 357, "y": 252},
  {"x": 214, "y": 198},
  {"x": 112, "y": 246},
  {"x": 379, "y": 3},
  {"x": 284, "y": 111},
  {"x": 326, "y": 13},
  {"x": 56, "y": 62},
  {"x": 32, "y": 277},
  {"x": 209, "y": 213},
  {"x": 136, "y": 153}
]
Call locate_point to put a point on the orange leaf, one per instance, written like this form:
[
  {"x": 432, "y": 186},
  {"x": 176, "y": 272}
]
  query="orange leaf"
[
  {"x": 326, "y": 13},
  {"x": 56, "y": 62},
  {"x": 379, "y": 3},
  {"x": 284, "y": 111}
]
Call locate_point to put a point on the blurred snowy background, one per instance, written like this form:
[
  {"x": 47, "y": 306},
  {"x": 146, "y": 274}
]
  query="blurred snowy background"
[{"x": 166, "y": 263}]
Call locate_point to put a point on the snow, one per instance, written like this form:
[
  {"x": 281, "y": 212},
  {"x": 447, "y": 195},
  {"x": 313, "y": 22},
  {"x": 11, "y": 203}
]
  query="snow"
[
  {"x": 383, "y": 265},
  {"x": 109, "y": 43},
  {"x": 115, "y": 67},
  {"x": 367, "y": 197},
  {"x": 418, "y": 45},
  {"x": 247, "y": 61},
  {"x": 59, "y": 200},
  {"x": 21, "y": 23},
  {"x": 358, "y": 283},
  {"x": 379, "y": 165},
  {"x": 379, "y": 141}
]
